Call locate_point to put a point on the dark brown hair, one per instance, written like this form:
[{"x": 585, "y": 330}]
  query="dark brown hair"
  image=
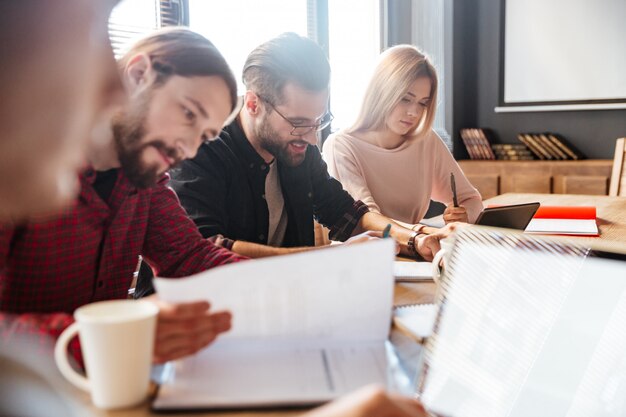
[{"x": 180, "y": 51}]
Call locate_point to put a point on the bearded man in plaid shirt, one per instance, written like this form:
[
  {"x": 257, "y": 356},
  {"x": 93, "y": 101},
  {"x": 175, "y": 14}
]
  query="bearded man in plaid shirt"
[{"x": 181, "y": 93}]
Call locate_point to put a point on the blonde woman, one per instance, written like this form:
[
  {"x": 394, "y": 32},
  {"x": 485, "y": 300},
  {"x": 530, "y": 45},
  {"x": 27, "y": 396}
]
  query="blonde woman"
[{"x": 391, "y": 159}]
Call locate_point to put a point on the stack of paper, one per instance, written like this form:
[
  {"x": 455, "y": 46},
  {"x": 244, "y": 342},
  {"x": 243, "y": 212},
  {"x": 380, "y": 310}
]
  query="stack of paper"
[{"x": 555, "y": 220}]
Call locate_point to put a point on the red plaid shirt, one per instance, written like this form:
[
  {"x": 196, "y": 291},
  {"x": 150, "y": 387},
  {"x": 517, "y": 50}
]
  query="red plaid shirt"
[{"x": 89, "y": 253}]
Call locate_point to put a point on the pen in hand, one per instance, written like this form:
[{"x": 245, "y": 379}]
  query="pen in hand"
[
  {"x": 455, "y": 200},
  {"x": 386, "y": 231}
]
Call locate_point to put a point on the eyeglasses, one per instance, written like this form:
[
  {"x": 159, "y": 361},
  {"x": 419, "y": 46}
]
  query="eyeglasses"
[{"x": 301, "y": 130}]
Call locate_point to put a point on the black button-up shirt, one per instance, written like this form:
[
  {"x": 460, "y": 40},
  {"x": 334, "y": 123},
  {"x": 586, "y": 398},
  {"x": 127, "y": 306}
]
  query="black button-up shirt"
[{"x": 223, "y": 191}]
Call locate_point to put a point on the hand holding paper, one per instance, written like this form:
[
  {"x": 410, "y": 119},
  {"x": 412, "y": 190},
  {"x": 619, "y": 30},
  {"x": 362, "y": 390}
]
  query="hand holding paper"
[{"x": 185, "y": 328}]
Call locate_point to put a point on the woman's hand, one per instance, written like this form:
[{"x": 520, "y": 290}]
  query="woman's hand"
[{"x": 455, "y": 214}]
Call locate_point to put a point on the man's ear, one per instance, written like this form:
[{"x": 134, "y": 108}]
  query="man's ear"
[
  {"x": 251, "y": 103},
  {"x": 138, "y": 72}
]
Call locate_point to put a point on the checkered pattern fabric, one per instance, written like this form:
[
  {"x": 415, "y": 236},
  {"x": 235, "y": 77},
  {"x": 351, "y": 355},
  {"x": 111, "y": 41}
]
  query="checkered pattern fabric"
[{"x": 50, "y": 267}]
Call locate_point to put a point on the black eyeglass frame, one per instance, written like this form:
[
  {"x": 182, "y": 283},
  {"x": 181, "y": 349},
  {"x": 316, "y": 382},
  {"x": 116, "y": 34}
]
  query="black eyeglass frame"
[{"x": 323, "y": 124}]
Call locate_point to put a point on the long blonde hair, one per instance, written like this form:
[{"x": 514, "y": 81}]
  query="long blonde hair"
[{"x": 398, "y": 67}]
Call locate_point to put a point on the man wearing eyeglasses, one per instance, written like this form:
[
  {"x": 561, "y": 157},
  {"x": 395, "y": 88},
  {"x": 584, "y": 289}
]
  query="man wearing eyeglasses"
[{"x": 258, "y": 187}]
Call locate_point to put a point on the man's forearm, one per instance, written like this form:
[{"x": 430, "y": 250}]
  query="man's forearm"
[
  {"x": 412, "y": 243},
  {"x": 378, "y": 222},
  {"x": 256, "y": 250}
]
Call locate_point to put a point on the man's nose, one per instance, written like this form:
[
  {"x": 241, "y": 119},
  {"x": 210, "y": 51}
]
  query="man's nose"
[
  {"x": 310, "y": 137},
  {"x": 188, "y": 149}
]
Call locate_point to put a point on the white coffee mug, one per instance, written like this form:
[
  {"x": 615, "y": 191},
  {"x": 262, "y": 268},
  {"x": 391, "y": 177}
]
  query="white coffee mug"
[
  {"x": 441, "y": 258},
  {"x": 117, "y": 341}
]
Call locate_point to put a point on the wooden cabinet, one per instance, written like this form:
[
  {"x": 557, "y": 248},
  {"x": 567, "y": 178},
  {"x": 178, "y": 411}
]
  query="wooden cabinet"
[{"x": 492, "y": 178}]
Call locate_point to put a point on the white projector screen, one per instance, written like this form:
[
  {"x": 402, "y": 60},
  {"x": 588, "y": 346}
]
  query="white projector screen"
[{"x": 564, "y": 51}]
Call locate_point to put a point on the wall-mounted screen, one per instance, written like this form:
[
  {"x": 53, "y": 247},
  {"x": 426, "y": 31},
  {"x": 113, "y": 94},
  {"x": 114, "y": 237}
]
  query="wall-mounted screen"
[{"x": 564, "y": 51}]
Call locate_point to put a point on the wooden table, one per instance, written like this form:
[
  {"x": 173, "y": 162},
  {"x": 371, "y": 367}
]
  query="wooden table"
[{"x": 611, "y": 211}]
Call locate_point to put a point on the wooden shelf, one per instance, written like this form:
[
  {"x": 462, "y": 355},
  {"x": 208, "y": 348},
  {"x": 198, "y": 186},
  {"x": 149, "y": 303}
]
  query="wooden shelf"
[{"x": 491, "y": 178}]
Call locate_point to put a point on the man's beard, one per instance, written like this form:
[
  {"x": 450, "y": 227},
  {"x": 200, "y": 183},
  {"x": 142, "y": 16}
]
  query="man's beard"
[
  {"x": 270, "y": 140},
  {"x": 129, "y": 130}
]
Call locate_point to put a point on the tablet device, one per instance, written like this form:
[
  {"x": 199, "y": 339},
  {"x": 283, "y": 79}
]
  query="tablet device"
[{"x": 511, "y": 217}]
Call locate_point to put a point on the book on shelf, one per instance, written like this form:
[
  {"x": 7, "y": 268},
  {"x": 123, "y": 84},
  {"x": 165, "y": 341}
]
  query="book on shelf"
[
  {"x": 477, "y": 143},
  {"x": 515, "y": 158},
  {"x": 512, "y": 152},
  {"x": 508, "y": 147},
  {"x": 531, "y": 146},
  {"x": 561, "y": 143},
  {"x": 552, "y": 148},
  {"x": 535, "y": 145},
  {"x": 548, "y": 146}
]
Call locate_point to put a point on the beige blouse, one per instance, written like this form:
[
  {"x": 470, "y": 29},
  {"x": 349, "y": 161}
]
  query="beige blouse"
[{"x": 399, "y": 183}]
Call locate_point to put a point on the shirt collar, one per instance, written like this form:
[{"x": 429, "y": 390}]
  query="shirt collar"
[
  {"x": 88, "y": 176},
  {"x": 246, "y": 151}
]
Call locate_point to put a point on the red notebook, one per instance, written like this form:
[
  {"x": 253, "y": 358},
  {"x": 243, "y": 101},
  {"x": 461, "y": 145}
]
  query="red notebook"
[{"x": 564, "y": 220}]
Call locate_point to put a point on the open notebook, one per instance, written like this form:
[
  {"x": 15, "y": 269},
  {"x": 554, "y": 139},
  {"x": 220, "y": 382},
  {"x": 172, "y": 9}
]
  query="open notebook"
[
  {"x": 307, "y": 328},
  {"x": 528, "y": 326}
]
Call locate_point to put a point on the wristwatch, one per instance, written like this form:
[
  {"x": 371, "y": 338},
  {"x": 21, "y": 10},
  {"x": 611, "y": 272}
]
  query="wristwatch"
[{"x": 411, "y": 244}]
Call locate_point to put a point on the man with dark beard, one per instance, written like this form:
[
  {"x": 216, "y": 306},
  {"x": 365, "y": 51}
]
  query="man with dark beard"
[
  {"x": 257, "y": 189},
  {"x": 181, "y": 93}
]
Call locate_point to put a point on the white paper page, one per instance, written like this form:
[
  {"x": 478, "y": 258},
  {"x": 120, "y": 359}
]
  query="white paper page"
[
  {"x": 413, "y": 271},
  {"x": 340, "y": 293},
  {"x": 563, "y": 226},
  {"x": 417, "y": 319},
  {"x": 527, "y": 334},
  {"x": 235, "y": 374}
]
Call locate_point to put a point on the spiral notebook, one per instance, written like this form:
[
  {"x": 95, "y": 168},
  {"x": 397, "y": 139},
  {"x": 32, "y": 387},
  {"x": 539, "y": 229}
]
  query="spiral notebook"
[{"x": 528, "y": 326}]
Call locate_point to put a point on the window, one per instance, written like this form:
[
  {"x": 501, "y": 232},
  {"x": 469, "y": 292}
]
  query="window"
[
  {"x": 429, "y": 34},
  {"x": 354, "y": 44},
  {"x": 133, "y": 19},
  {"x": 236, "y": 27}
]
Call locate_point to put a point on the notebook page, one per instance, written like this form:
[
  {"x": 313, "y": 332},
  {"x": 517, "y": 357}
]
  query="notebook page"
[{"x": 235, "y": 374}]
